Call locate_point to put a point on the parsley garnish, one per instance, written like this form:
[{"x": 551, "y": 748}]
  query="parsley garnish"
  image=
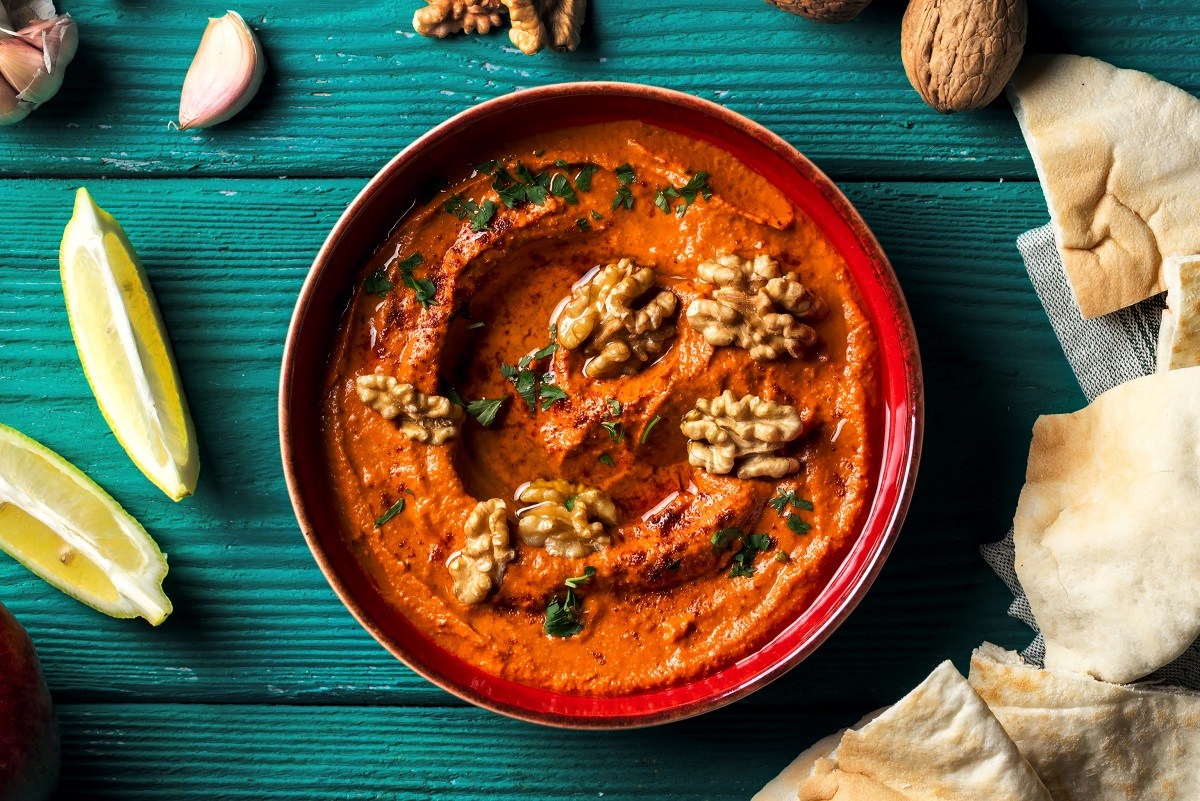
[
  {"x": 797, "y": 525},
  {"x": 743, "y": 560},
  {"x": 674, "y": 565},
  {"x": 426, "y": 291},
  {"x": 396, "y": 509},
  {"x": 697, "y": 185},
  {"x": 605, "y": 459},
  {"x": 487, "y": 167},
  {"x": 459, "y": 206},
  {"x": 575, "y": 581},
  {"x": 782, "y": 556},
  {"x": 781, "y": 501},
  {"x": 484, "y": 410},
  {"x": 724, "y": 536},
  {"x": 483, "y": 216},
  {"x": 649, "y": 427},
  {"x": 583, "y": 224},
  {"x": 614, "y": 407},
  {"x": 548, "y": 393},
  {"x": 480, "y": 214},
  {"x": 780, "y": 504},
  {"x": 569, "y": 502},
  {"x": 562, "y": 616},
  {"x": 583, "y": 179},
  {"x": 625, "y": 176},
  {"x": 616, "y": 432},
  {"x": 453, "y": 396},
  {"x": 597, "y": 215},
  {"x": 524, "y": 188},
  {"x": 377, "y": 283},
  {"x": 561, "y": 187},
  {"x": 526, "y": 380}
]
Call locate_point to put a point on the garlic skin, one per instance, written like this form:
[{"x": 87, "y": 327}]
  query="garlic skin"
[
  {"x": 225, "y": 74},
  {"x": 33, "y": 58}
]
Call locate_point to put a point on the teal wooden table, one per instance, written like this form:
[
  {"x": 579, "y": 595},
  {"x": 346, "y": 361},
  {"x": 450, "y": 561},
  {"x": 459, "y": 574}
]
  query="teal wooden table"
[{"x": 261, "y": 685}]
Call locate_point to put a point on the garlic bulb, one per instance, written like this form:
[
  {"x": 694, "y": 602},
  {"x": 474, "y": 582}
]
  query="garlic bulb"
[
  {"x": 225, "y": 74},
  {"x": 36, "y": 45}
]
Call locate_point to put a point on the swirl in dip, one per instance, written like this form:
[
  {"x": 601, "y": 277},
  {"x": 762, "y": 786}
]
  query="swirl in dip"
[{"x": 679, "y": 586}]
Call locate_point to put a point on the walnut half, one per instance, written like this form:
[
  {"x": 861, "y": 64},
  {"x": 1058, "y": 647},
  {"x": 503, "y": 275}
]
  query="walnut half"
[
  {"x": 744, "y": 433},
  {"x": 602, "y": 317},
  {"x": 479, "y": 567},
  {"x": 425, "y": 418},
  {"x": 566, "y": 519},
  {"x": 756, "y": 307}
]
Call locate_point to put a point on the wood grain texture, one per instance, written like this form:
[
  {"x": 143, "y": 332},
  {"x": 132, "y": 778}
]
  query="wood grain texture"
[
  {"x": 349, "y": 84},
  {"x": 141, "y": 752},
  {"x": 255, "y": 621}
]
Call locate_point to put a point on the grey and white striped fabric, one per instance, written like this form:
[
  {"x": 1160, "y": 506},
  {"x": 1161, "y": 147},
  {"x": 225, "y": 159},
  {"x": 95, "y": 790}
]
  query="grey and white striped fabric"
[{"x": 1103, "y": 353}]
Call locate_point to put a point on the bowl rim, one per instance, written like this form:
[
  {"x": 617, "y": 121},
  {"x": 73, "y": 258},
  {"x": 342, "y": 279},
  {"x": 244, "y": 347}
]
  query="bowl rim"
[{"x": 911, "y": 422}]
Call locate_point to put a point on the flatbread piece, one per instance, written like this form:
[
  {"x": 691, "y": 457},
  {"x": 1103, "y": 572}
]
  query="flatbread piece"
[
  {"x": 1118, "y": 155},
  {"x": 1179, "y": 336},
  {"x": 1107, "y": 530},
  {"x": 1092, "y": 741},
  {"x": 938, "y": 743}
]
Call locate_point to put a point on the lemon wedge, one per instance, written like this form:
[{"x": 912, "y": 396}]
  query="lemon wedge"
[
  {"x": 58, "y": 523},
  {"x": 124, "y": 348}
]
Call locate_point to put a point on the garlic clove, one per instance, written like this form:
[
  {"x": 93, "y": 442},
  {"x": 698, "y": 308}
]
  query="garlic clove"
[
  {"x": 21, "y": 64},
  {"x": 225, "y": 74},
  {"x": 58, "y": 38},
  {"x": 11, "y": 109}
]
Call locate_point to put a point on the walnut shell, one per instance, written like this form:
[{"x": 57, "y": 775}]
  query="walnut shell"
[
  {"x": 959, "y": 54},
  {"x": 823, "y": 10}
]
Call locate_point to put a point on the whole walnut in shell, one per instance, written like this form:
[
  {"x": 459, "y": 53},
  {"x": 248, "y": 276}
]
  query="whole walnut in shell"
[
  {"x": 959, "y": 54},
  {"x": 618, "y": 319},
  {"x": 823, "y": 10},
  {"x": 746, "y": 434}
]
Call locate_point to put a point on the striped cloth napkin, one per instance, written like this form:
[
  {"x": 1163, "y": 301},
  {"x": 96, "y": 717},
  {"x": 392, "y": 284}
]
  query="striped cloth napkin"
[{"x": 1103, "y": 353}]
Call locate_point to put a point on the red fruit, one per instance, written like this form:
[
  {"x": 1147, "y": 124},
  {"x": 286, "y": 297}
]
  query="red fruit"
[{"x": 28, "y": 726}]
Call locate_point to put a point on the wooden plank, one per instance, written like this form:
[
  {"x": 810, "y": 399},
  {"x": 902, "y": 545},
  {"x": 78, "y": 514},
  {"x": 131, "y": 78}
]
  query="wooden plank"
[
  {"x": 350, "y": 84},
  {"x": 255, "y": 620},
  {"x": 143, "y": 752}
]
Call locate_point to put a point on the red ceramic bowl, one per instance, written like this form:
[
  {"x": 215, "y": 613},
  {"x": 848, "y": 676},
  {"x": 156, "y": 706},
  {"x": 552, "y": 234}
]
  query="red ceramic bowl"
[{"x": 364, "y": 227}]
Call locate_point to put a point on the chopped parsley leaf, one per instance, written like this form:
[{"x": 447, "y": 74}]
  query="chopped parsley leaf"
[
  {"x": 539, "y": 153},
  {"x": 542, "y": 353},
  {"x": 453, "y": 396},
  {"x": 624, "y": 198},
  {"x": 697, "y": 185},
  {"x": 724, "y": 536},
  {"x": 484, "y": 410},
  {"x": 614, "y": 407},
  {"x": 780, "y": 502},
  {"x": 575, "y": 581},
  {"x": 459, "y": 206},
  {"x": 482, "y": 217},
  {"x": 561, "y": 187},
  {"x": 616, "y": 432},
  {"x": 395, "y": 509},
  {"x": 597, "y": 215},
  {"x": 569, "y": 502},
  {"x": 606, "y": 459},
  {"x": 548, "y": 393},
  {"x": 524, "y": 188},
  {"x": 562, "y": 616},
  {"x": 797, "y": 525},
  {"x": 782, "y": 556},
  {"x": 487, "y": 167},
  {"x": 674, "y": 565},
  {"x": 426, "y": 291},
  {"x": 562, "y": 164},
  {"x": 649, "y": 427},
  {"x": 411, "y": 263},
  {"x": 626, "y": 175},
  {"x": 583, "y": 224},
  {"x": 583, "y": 179},
  {"x": 377, "y": 283},
  {"x": 743, "y": 560}
]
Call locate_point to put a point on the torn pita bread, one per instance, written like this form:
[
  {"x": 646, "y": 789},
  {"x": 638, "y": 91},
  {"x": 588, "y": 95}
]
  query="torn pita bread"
[
  {"x": 1179, "y": 336},
  {"x": 1092, "y": 741},
  {"x": 938, "y": 743},
  {"x": 1107, "y": 529},
  {"x": 1118, "y": 155}
]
